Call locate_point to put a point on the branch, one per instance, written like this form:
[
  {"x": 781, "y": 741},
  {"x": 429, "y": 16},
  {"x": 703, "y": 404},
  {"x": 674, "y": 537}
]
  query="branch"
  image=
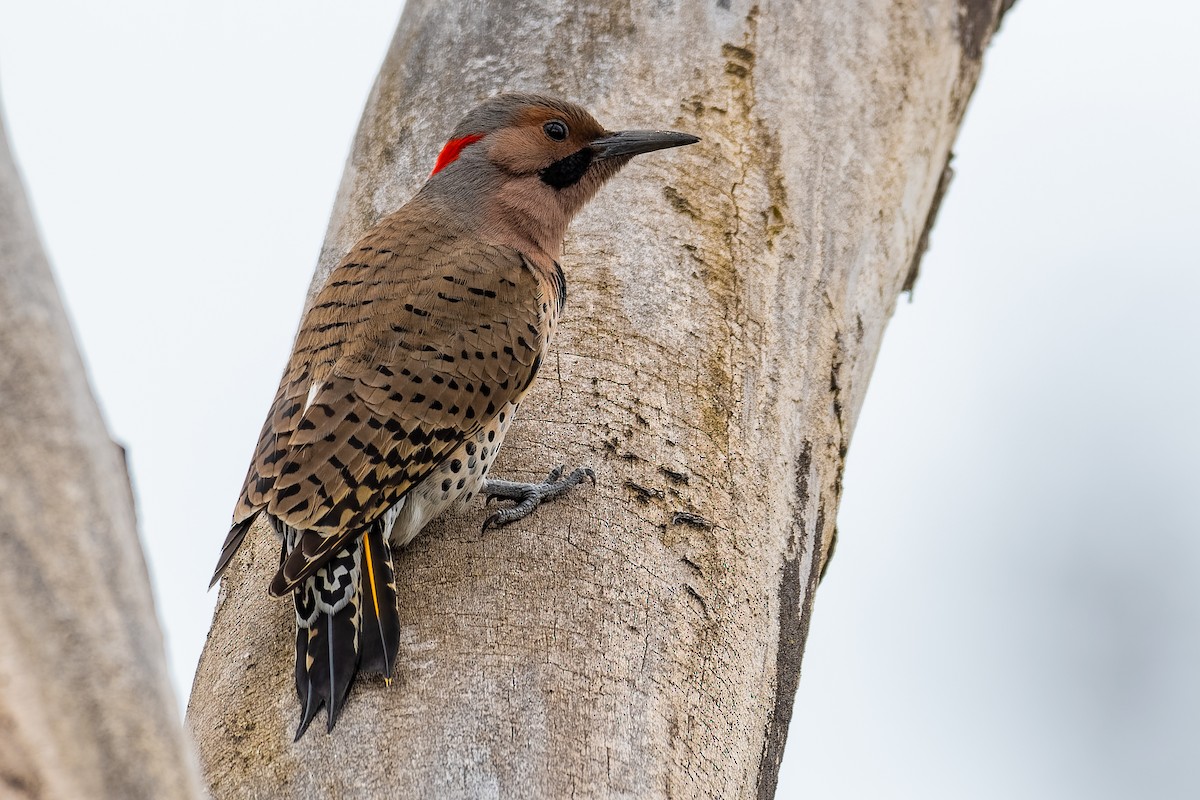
[
  {"x": 86, "y": 708},
  {"x": 726, "y": 304}
]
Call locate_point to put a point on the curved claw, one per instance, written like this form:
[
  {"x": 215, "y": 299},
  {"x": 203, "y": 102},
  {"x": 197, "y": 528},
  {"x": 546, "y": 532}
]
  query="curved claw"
[
  {"x": 519, "y": 511},
  {"x": 528, "y": 496}
]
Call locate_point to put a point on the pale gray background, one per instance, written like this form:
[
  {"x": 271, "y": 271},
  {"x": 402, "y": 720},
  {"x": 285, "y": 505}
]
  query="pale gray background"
[{"x": 1013, "y": 608}]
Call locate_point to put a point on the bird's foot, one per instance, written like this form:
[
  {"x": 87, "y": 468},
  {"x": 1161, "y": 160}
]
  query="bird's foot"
[{"x": 528, "y": 496}]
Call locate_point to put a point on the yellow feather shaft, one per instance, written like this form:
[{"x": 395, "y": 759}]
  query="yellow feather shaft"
[{"x": 371, "y": 574}]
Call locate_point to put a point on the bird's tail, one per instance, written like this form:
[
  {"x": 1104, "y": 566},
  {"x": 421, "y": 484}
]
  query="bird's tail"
[
  {"x": 380, "y": 637},
  {"x": 345, "y": 619},
  {"x": 232, "y": 542}
]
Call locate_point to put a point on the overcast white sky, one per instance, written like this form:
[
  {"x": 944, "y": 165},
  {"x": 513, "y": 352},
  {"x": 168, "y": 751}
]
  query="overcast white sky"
[{"x": 1013, "y": 609}]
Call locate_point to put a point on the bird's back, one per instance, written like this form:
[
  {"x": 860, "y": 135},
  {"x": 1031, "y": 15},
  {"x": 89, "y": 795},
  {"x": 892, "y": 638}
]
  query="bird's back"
[{"x": 418, "y": 339}]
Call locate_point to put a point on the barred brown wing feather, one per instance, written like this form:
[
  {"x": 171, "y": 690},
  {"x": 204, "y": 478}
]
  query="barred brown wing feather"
[{"x": 458, "y": 344}]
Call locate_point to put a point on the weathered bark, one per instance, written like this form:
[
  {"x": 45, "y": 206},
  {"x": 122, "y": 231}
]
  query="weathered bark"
[
  {"x": 726, "y": 302},
  {"x": 86, "y": 708}
]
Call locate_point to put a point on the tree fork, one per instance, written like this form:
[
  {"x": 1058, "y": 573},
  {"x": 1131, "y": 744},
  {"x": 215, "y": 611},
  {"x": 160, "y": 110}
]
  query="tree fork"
[{"x": 725, "y": 306}]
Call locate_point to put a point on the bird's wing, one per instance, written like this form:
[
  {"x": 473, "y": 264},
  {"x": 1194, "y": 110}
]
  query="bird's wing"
[{"x": 413, "y": 345}]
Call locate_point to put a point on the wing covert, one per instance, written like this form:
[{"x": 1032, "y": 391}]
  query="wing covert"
[{"x": 406, "y": 352}]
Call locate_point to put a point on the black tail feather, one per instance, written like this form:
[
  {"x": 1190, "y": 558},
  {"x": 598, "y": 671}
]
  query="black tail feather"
[
  {"x": 310, "y": 701},
  {"x": 232, "y": 542},
  {"x": 327, "y": 644},
  {"x": 381, "y": 623}
]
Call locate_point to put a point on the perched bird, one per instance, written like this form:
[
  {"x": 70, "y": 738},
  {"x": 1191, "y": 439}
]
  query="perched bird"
[{"x": 407, "y": 370}]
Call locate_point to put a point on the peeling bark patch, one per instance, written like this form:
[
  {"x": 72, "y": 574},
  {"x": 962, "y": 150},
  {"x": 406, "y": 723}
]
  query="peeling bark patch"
[
  {"x": 675, "y": 475},
  {"x": 740, "y": 60},
  {"x": 793, "y": 625},
  {"x": 795, "y": 605},
  {"x": 643, "y": 493},
  {"x": 976, "y": 20},
  {"x": 688, "y": 518},
  {"x": 923, "y": 243},
  {"x": 803, "y": 465},
  {"x": 1005, "y": 5},
  {"x": 793, "y": 620},
  {"x": 821, "y": 537},
  {"x": 696, "y": 596},
  {"x": 833, "y": 537},
  {"x": 835, "y": 390}
]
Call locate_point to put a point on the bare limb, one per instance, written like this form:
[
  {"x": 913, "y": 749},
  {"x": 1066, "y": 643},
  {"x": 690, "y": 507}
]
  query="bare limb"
[
  {"x": 725, "y": 308},
  {"x": 86, "y": 708}
]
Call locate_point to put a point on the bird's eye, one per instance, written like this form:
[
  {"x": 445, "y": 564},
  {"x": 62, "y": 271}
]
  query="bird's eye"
[{"x": 555, "y": 130}]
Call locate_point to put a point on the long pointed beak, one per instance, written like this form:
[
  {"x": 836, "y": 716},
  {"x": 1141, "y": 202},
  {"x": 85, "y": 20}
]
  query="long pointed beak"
[{"x": 632, "y": 143}]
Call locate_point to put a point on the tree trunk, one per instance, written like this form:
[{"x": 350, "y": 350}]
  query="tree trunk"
[
  {"x": 726, "y": 301},
  {"x": 86, "y": 708}
]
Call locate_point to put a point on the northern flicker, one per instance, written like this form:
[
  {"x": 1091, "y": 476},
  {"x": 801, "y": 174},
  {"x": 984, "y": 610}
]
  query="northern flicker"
[{"x": 407, "y": 370}]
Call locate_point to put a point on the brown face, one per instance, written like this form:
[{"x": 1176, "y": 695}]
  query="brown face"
[
  {"x": 518, "y": 167},
  {"x": 547, "y": 141}
]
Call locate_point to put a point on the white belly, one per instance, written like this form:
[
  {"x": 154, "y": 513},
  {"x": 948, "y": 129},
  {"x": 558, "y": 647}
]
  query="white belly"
[{"x": 456, "y": 481}]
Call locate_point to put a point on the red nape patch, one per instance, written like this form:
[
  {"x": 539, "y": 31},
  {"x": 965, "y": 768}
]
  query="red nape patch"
[{"x": 450, "y": 152}]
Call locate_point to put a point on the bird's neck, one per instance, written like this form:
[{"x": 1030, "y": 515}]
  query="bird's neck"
[
  {"x": 526, "y": 215},
  {"x": 522, "y": 213}
]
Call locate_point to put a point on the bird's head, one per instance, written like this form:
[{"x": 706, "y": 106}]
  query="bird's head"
[{"x": 533, "y": 161}]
